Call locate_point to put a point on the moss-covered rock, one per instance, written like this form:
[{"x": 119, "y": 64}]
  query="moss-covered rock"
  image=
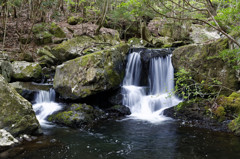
[
  {"x": 82, "y": 45},
  {"x": 78, "y": 115},
  {"x": 56, "y": 31},
  {"x": 40, "y": 27},
  {"x": 24, "y": 71},
  {"x": 137, "y": 42},
  {"x": 25, "y": 57},
  {"x": 43, "y": 38},
  {"x": 73, "y": 20},
  {"x": 92, "y": 73},
  {"x": 6, "y": 70},
  {"x": 204, "y": 64},
  {"x": 16, "y": 113},
  {"x": 234, "y": 126},
  {"x": 118, "y": 111}
]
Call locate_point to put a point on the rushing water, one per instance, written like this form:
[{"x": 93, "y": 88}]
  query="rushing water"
[
  {"x": 148, "y": 102},
  {"x": 45, "y": 105}
]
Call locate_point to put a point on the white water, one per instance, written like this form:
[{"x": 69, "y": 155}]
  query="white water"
[
  {"x": 148, "y": 103},
  {"x": 45, "y": 106}
]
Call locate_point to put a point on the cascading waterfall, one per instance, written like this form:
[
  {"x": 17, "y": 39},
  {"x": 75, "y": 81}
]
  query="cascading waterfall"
[
  {"x": 45, "y": 105},
  {"x": 148, "y": 102}
]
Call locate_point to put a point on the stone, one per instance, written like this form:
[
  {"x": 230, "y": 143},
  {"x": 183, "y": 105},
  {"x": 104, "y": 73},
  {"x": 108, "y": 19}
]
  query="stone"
[
  {"x": 200, "y": 34},
  {"x": 16, "y": 113},
  {"x": 137, "y": 42},
  {"x": 43, "y": 38},
  {"x": 204, "y": 64},
  {"x": 6, "y": 140},
  {"x": 6, "y": 70},
  {"x": 78, "y": 116},
  {"x": 25, "y": 57},
  {"x": 56, "y": 31},
  {"x": 118, "y": 111},
  {"x": 25, "y": 71},
  {"x": 73, "y": 20},
  {"x": 92, "y": 73}
]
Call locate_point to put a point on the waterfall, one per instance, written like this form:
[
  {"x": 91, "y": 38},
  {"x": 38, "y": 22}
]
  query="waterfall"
[
  {"x": 45, "y": 105},
  {"x": 148, "y": 102}
]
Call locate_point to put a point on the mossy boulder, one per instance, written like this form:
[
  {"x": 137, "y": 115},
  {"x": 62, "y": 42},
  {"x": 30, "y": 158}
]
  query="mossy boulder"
[
  {"x": 204, "y": 64},
  {"x": 40, "y": 27},
  {"x": 56, "y": 31},
  {"x": 6, "y": 70},
  {"x": 77, "y": 116},
  {"x": 137, "y": 42},
  {"x": 43, "y": 38},
  {"x": 16, "y": 113},
  {"x": 73, "y": 20},
  {"x": 118, "y": 111},
  {"x": 25, "y": 71},
  {"x": 82, "y": 45},
  {"x": 92, "y": 73},
  {"x": 25, "y": 57}
]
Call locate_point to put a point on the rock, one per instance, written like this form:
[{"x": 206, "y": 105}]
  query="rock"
[
  {"x": 136, "y": 42},
  {"x": 197, "y": 113},
  {"x": 162, "y": 42},
  {"x": 201, "y": 34},
  {"x": 118, "y": 111},
  {"x": 25, "y": 71},
  {"x": 203, "y": 63},
  {"x": 73, "y": 20},
  {"x": 146, "y": 35},
  {"x": 161, "y": 27},
  {"x": 6, "y": 140},
  {"x": 29, "y": 89},
  {"x": 56, "y": 31},
  {"x": 43, "y": 38},
  {"x": 78, "y": 115},
  {"x": 25, "y": 57},
  {"x": 72, "y": 48},
  {"x": 92, "y": 73},
  {"x": 43, "y": 51},
  {"x": 7, "y": 70},
  {"x": 58, "y": 40},
  {"x": 16, "y": 113}
]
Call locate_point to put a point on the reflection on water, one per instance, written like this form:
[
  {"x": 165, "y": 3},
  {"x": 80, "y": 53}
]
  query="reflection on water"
[{"x": 132, "y": 139}]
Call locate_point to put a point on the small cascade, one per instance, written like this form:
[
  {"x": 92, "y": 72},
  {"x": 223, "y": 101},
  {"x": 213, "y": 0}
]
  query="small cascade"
[
  {"x": 148, "y": 102},
  {"x": 45, "y": 105}
]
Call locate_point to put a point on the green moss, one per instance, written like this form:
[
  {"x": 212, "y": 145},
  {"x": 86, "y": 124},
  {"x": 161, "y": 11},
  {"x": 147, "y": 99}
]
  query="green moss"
[
  {"x": 234, "y": 126},
  {"x": 57, "y": 31},
  {"x": 72, "y": 20},
  {"x": 231, "y": 103},
  {"x": 220, "y": 113},
  {"x": 43, "y": 38},
  {"x": 37, "y": 28}
]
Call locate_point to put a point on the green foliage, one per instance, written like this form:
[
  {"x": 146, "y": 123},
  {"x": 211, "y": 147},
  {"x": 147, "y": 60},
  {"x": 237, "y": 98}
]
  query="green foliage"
[
  {"x": 232, "y": 56},
  {"x": 187, "y": 88},
  {"x": 234, "y": 125},
  {"x": 220, "y": 113}
]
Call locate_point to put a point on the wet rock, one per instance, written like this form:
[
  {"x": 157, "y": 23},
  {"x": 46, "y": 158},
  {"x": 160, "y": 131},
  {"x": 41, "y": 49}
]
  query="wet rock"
[
  {"x": 78, "y": 115},
  {"x": 6, "y": 140},
  {"x": 118, "y": 111},
  {"x": 16, "y": 113},
  {"x": 91, "y": 74}
]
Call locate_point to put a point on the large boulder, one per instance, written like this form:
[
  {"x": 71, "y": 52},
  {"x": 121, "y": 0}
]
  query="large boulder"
[
  {"x": 16, "y": 113},
  {"x": 205, "y": 65},
  {"x": 24, "y": 71},
  {"x": 82, "y": 45},
  {"x": 201, "y": 34},
  {"x": 77, "y": 115},
  {"x": 92, "y": 73}
]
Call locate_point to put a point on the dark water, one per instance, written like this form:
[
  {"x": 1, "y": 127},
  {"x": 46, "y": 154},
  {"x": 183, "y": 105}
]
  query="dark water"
[{"x": 131, "y": 139}]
